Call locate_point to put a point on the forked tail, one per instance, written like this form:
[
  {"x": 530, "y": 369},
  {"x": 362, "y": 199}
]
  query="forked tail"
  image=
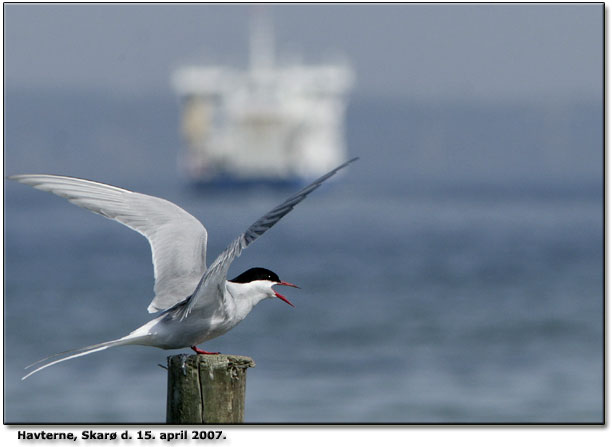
[{"x": 74, "y": 353}]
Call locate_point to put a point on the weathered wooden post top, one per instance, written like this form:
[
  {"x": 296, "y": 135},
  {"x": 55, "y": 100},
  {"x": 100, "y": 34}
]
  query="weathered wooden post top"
[{"x": 206, "y": 389}]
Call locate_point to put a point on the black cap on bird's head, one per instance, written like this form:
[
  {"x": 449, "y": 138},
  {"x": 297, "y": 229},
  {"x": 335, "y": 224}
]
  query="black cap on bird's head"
[
  {"x": 256, "y": 274},
  {"x": 262, "y": 274}
]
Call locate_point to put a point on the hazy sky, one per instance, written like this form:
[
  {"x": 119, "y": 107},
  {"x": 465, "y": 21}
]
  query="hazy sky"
[{"x": 426, "y": 51}]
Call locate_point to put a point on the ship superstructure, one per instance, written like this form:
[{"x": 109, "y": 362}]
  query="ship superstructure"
[{"x": 272, "y": 122}]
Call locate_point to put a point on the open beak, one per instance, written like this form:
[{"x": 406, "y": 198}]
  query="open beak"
[{"x": 282, "y": 283}]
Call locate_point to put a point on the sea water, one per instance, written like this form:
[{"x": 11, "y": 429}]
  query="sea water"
[{"x": 453, "y": 274}]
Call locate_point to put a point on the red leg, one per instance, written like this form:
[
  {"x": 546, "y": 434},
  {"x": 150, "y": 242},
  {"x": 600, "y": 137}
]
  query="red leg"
[{"x": 200, "y": 351}]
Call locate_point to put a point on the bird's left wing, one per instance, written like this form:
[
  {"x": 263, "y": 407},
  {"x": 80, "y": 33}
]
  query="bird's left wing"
[
  {"x": 177, "y": 239},
  {"x": 217, "y": 271}
]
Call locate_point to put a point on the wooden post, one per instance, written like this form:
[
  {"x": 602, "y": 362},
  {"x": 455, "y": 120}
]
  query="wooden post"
[{"x": 206, "y": 389}]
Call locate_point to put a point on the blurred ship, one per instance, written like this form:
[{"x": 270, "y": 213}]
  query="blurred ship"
[{"x": 272, "y": 123}]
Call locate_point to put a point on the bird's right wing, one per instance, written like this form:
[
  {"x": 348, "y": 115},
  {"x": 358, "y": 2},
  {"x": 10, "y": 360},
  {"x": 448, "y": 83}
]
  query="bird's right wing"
[
  {"x": 217, "y": 272},
  {"x": 177, "y": 239}
]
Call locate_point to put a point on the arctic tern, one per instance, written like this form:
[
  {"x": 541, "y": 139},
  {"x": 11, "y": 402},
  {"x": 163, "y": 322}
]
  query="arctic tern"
[{"x": 196, "y": 303}]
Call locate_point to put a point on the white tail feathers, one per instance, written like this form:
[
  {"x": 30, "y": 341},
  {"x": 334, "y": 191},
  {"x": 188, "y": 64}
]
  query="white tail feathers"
[{"x": 74, "y": 353}]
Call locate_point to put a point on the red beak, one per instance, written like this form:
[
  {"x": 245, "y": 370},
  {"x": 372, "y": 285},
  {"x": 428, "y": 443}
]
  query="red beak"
[{"x": 282, "y": 283}]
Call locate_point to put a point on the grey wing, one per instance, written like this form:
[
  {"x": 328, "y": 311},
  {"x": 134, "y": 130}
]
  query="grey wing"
[
  {"x": 217, "y": 271},
  {"x": 177, "y": 239}
]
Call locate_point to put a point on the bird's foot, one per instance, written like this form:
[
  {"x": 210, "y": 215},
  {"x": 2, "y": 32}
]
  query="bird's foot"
[{"x": 201, "y": 351}]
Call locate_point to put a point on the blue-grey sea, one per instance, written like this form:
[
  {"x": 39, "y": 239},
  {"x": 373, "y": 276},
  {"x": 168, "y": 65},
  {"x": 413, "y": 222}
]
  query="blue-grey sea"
[{"x": 453, "y": 274}]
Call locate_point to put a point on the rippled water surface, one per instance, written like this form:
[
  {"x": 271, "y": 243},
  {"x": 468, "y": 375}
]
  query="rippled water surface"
[{"x": 463, "y": 285}]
